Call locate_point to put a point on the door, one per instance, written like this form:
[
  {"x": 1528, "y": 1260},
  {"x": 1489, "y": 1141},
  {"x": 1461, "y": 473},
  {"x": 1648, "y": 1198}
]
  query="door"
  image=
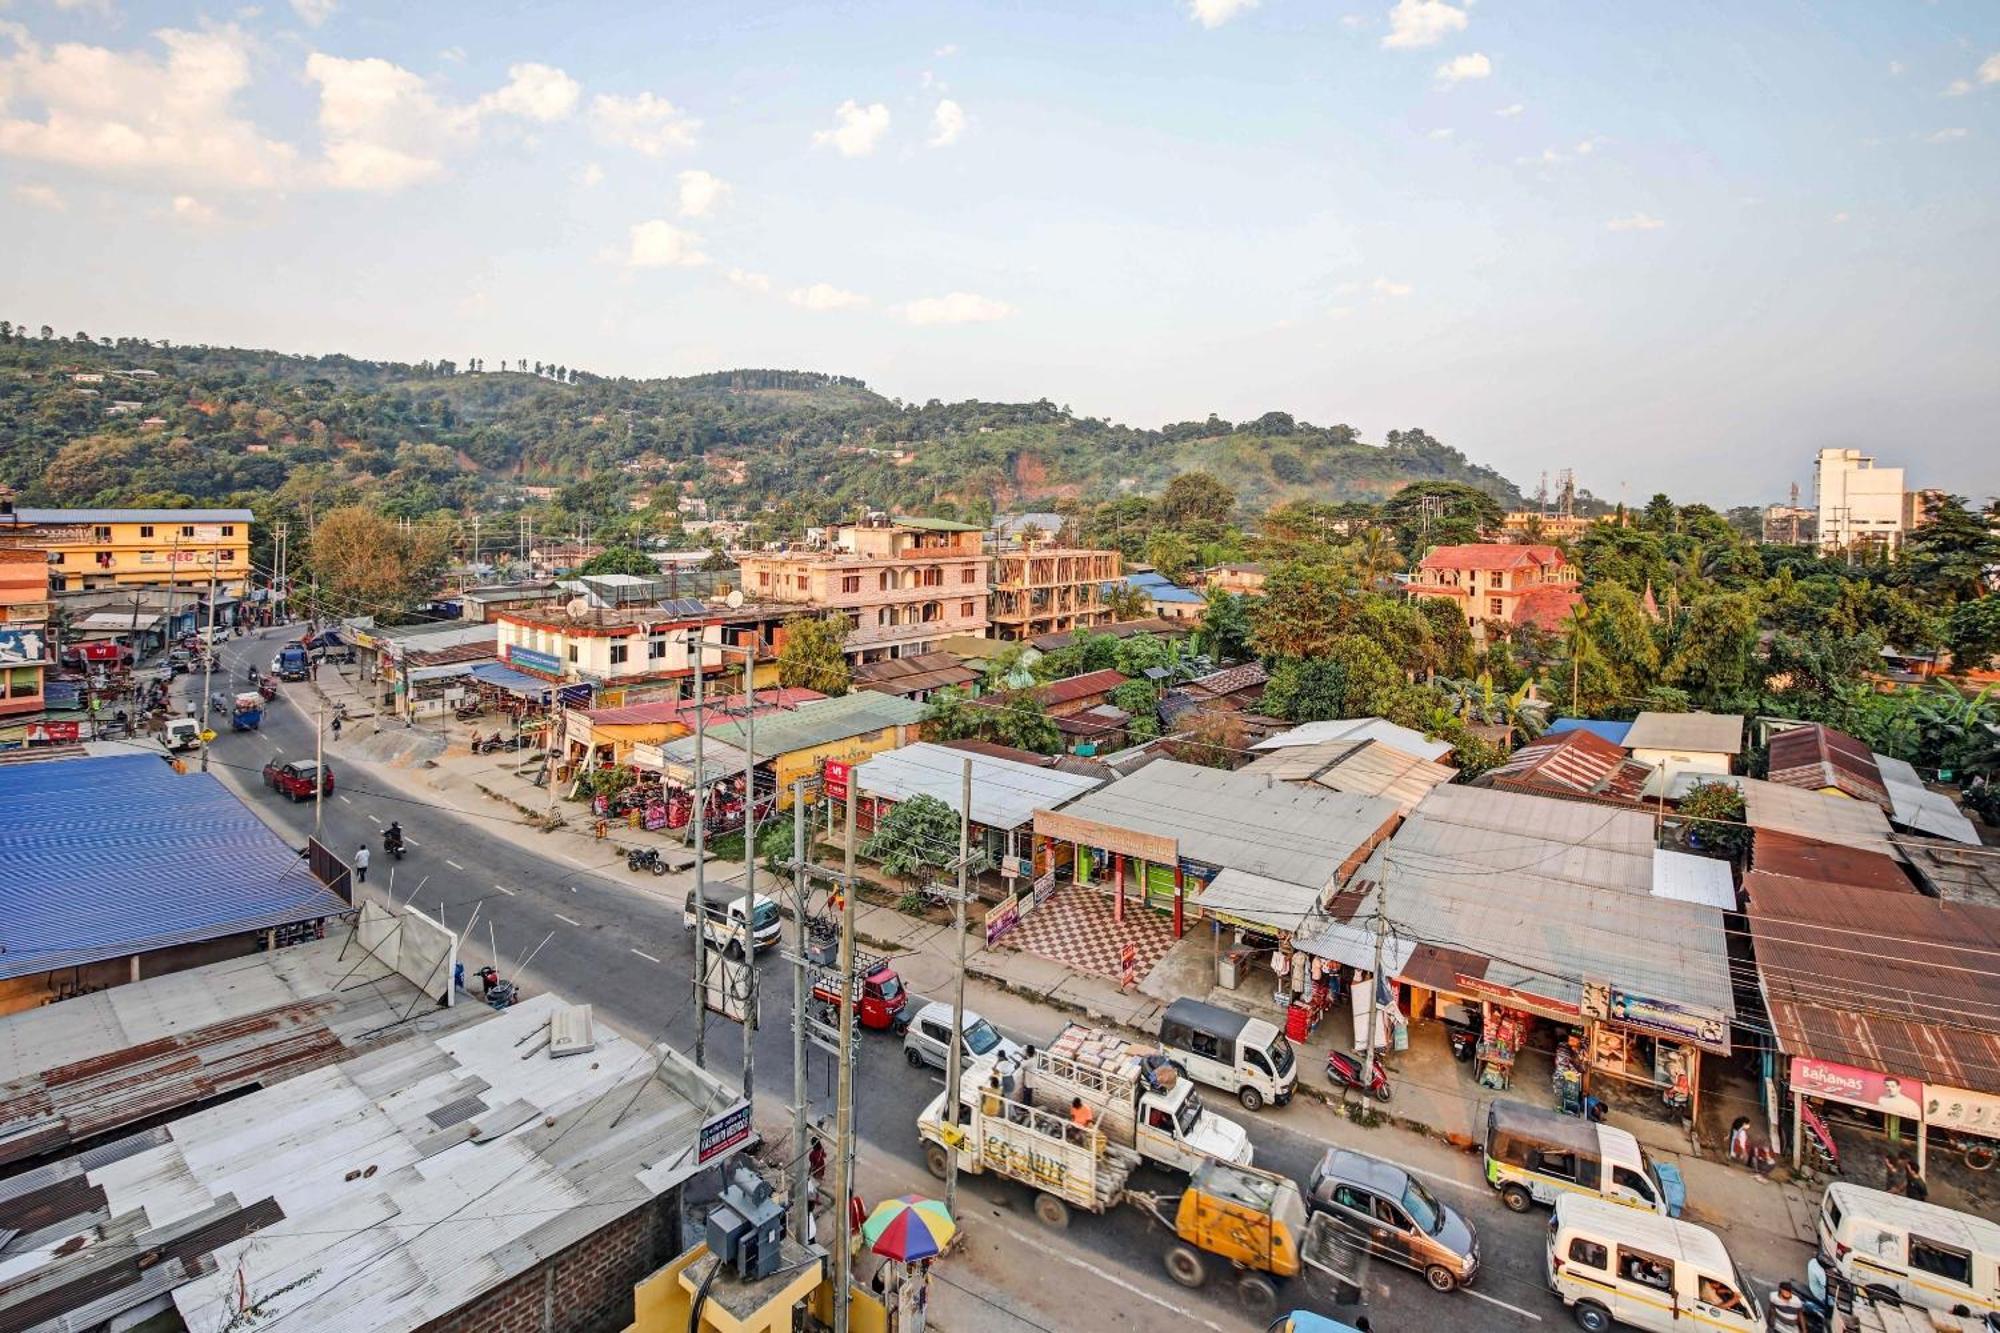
[
  {"x": 936, "y": 1041},
  {"x": 1718, "y": 1302},
  {"x": 1160, "y": 1140},
  {"x": 1644, "y": 1287},
  {"x": 1354, "y": 1209},
  {"x": 1209, "y": 1061},
  {"x": 1256, "y": 1071},
  {"x": 1395, "y": 1236},
  {"x": 1551, "y": 1170}
]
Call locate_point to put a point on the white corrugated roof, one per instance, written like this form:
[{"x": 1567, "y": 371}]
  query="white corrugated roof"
[
  {"x": 1812, "y": 814},
  {"x": 1693, "y": 879},
  {"x": 1698, "y": 733},
  {"x": 1916, "y": 806},
  {"x": 1005, "y": 792},
  {"x": 1402, "y": 738},
  {"x": 1259, "y": 899}
]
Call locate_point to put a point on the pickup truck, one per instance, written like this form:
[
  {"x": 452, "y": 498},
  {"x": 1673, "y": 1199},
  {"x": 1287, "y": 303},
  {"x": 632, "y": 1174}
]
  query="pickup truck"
[
  {"x": 1141, "y": 1101},
  {"x": 291, "y": 663},
  {"x": 297, "y": 778}
]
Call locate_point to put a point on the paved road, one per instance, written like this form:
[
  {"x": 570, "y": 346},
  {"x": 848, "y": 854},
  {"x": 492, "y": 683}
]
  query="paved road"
[{"x": 621, "y": 947}]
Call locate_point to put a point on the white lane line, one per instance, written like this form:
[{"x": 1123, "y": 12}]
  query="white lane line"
[
  {"x": 453, "y": 864},
  {"x": 345, "y": 801},
  {"x": 574, "y": 922},
  {"x": 1481, "y": 1188},
  {"x": 504, "y": 889},
  {"x": 411, "y": 842},
  {"x": 1112, "y": 1278},
  {"x": 374, "y": 819},
  {"x": 1490, "y": 1300},
  {"x": 641, "y": 952}
]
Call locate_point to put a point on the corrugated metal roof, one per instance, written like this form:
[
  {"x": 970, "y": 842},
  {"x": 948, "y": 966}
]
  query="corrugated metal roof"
[
  {"x": 1072, "y": 688},
  {"x": 1789, "y": 854},
  {"x": 1956, "y": 874},
  {"x": 1694, "y": 879},
  {"x": 1259, "y": 900},
  {"x": 514, "y": 682},
  {"x": 61, "y": 516},
  {"x": 1692, "y": 733},
  {"x": 1899, "y": 983},
  {"x": 1814, "y": 814},
  {"x": 1576, "y": 763},
  {"x": 1602, "y": 728},
  {"x": 1005, "y": 794},
  {"x": 1230, "y": 680},
  {"x": 1406, "y": 739},
  {"x": 114, "y": 855},
  {"x": 824, "y": 721},
  {"x": 1916, "y": 806},
  {"x": 1375, "y": 769},
  {"x": 1815, "y": 756},
  {"x": 682, "y": 711}
]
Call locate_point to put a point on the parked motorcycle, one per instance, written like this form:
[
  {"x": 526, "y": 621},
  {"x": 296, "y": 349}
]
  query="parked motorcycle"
[
  {"x": 466, "y": 712},
  {"x": 645, "y": 858},
  {"x": 1344, "y": 1070}
]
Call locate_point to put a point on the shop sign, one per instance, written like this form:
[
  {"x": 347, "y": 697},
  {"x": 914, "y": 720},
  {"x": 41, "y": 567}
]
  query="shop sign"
[
  {"x": 1668, "y": 1019},
  {"x": 23, "y": 647},
  {"x": 723, "y": 1134},
  {"x": 52, "y": 733},
  {"x": 1045, "y": 886},
  {"x": 546, "y": 663},
  {"x": 1859, "y": 1087},
  {"x": 1014, "y": 867},
  {"x": 1966, "y": 1112},
  {"x": 834, "y": 778},
  {"x": 1002, "y": 917}
]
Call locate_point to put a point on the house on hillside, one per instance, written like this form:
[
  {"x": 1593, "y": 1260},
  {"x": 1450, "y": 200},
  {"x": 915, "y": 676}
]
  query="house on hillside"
[{"x": 1514, "y": 585}]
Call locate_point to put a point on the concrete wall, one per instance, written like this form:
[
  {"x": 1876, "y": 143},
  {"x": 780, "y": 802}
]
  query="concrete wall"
[
  {"x": 587, "y": 1288},
  {"x": 420, "y": 949}
]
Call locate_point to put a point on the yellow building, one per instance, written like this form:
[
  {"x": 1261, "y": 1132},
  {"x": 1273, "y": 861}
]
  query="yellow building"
[
  {"x": 794, "y": 743},
  {"x": 93, "y": 550}
]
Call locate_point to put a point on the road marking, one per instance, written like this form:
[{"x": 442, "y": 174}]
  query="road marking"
[
  {"x": 345, "y": 801},
  {"x": 1491, "y": 1300},
  {"x": 504, "y": 889},
  {"x": 641, "y": 952},
  {"x": 373, "y": 819},
  {"x": 1112, "y": 1278},
  {"x": 453, "y": 864},
  {"x": 1481, "y": 1188},
  {"x": 574, "y": 922}
]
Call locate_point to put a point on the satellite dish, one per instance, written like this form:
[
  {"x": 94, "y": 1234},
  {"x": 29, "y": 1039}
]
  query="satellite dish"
[
  {"x": 578, "y": 608},
  {"x": 735, "y": 598}
]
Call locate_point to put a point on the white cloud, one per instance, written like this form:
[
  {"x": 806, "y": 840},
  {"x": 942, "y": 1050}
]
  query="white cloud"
[
  {"x": 1444, "y": 132},
  {"x": 857, "y": 129},
  {"x": 312, "y": 13},
  {"x": 1585, "y": 147},
  {"x": 187, "y": 208},
  {"x": 533, "y": 92},
  {"x": 748, "y": 281},
  {"x": 129, "y": 113},
  {"x": 1215, "y": 13},
  {"x": 1415, "y": 23},
  {"x": 452, "y": 55},
  {"x": 956, "y": 308},
  {"x": 1635, "y": 222},
  {"x": 1958, "y": 88},
  {"x": 947, "y": 124},
  {"x": 644, "y": 123},
  {"x": 1385, "y": 287},
  {"x": 101, "y": 6},
  {"x": 1951, "y": 135},
  {"x": 1352, "y": 21},
  {"x": 382, "y": 126},
  {"x": 658, "y": 244},
  {"x": 1841, "y": 217},
  {"x": 700, "y": 192},
  {"x": 825, "y": 296},
  {"x": 1514, "y": 110},
  {"x": 589, "y": 176},
  {"x": 947, "y": 50},
  {"x": 1897, "y": 68},
  {"x": 1460, "y": 68},
  {"x": 1989, "y": 69},
  {"x": 41, "y": 196}
]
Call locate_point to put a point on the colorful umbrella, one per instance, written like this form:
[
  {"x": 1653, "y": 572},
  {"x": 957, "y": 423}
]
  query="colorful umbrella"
[{"x": 909, "y": 1228}]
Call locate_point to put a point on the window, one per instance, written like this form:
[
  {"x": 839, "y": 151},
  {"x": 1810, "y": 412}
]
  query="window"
[
  {"x": 1648, "y": 1270},
  {"x": 965, "y": 609},
  {"x": 937, "y": 1032},
  {"x": 1349, "y": 1197},
  {"x": 100, "y": 533},
  {"x": 967, "y": 574},
  {"x": 56, "y": 558},
  {"x": 572, "y": 652},
  {"x": 1160, "y": 1118},
  {"x": 1561, "y": 1165},
  {"x": 617, "y": 654},
  {"x": 656, "y": 648},
  {"x": 229, "y": 529},
  {"x": 850, "y": 583},
  {"x": 1390, "y": 1216},
  {"x": 145, "y": 529},
  {"x": 187, "y": 529},
  {"x": 1588, "y": 1253},
  {"x": 226, "y": 555},
  {"x": 763, "y": 578},
  {"x": 802, "y": 582},
  {"x": 882, "y": 581},
  {"x": 1939, "y": 1260},
  {"x": 1721, "y": 1296},
  {"x": 1495, "y": 608},
  {"x": 1203, "y": 1044},
  {"x": 1624, "y": 1177},
  {"x": 1255, "y": 1059}
]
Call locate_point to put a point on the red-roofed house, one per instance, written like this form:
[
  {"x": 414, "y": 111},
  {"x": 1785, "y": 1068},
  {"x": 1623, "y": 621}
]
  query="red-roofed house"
[
  {"x": 1577, "y": 764},
  {"x": 1499, "y": 581}
]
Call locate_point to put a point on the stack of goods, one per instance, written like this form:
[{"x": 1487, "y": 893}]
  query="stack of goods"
[{"x": 1111, "y": 1057}]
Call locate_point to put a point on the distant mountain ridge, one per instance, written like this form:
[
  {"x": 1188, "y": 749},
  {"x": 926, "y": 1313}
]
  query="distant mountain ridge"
[{"x": 216, "y": 423}]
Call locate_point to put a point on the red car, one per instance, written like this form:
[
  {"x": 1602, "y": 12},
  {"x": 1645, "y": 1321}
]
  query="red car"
[{"x": 295, "y": 779}]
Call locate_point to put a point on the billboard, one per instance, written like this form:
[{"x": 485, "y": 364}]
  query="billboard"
[
  {"x": 1888, "y": 1093},
  {"x": 1962, "y": 1111}
]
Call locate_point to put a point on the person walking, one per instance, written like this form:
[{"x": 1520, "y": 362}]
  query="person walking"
[
  {"x": 1739, "y": 1140},
  {"x": 361, "y": 863},
  {"x": 1913, "y": 1180},
  {"x": 1787, "y": 1311}
]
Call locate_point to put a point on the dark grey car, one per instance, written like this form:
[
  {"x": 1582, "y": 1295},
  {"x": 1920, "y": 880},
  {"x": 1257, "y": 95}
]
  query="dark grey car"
[{"x": 1390, "y": 1213}]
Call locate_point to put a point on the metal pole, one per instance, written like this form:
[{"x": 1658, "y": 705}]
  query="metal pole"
[
  {"x": 208, "y": 659},
  {"x": 953, "y": 1058},
  {"x": 319, "y": 761},
  {"x": 750, "y": 872},
  {"x": 843, "y": 1104},
  {"x": 1374, "y": 991},
  {"x": 700, "y": 810},
  {"x": 801, "y": 887}
]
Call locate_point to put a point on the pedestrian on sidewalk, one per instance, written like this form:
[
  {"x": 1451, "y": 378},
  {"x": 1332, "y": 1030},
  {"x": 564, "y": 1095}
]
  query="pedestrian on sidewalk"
[
  {"x": 336, "y": 726},
  {"x": 1893, "y": 1179},
  {"x": 1913, "y": 1180},
  {"x": 361, "y": 863},
  {"x": 1739, "y": 1140},
  {"x": 1788, "y": 1312}
]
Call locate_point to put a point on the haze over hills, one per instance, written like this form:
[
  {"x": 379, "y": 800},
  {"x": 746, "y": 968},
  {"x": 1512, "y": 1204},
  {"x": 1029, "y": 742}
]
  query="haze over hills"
[{"x": 215, "y": 424}]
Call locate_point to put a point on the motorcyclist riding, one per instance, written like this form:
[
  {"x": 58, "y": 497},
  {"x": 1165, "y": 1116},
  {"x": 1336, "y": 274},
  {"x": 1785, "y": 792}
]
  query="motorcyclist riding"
[{"x": 392, "y": 838}]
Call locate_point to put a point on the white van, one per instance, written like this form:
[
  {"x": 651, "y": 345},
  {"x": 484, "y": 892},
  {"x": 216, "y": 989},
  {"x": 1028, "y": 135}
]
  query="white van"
[
  {"x": 1231, "y": 1051},
  {"x": 1923, "y": 1254},
  {"x": 734, "y": 925},
  {"x": 1613, "y": 1264}
]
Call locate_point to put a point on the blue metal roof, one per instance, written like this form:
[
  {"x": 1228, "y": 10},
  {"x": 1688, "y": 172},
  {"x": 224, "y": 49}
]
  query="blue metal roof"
[
  {"x": 118, "y": 854},
  {"x": 515, "y": 682},
  {"x": 1601, "y": 728},
  {"x": 1162, "y": 589}
]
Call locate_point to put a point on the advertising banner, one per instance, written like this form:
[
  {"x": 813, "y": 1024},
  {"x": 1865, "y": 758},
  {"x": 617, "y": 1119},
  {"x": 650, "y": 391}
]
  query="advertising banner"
[
  {"x": 723, "y": 1134},
  {"x": 1002, "y": 917},
  {"x": 1962, "y": 1111},
  {"x": 1668, "y": 1019},
  {"x": 1886, "y": 1093},
  {"x": 528, "y": 658},
  {"x": 834, "y": 779}
]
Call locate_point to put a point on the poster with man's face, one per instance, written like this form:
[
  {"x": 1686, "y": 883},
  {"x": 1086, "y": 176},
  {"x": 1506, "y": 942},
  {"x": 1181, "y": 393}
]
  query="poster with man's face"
[{"x": 1889, "y": 1094}]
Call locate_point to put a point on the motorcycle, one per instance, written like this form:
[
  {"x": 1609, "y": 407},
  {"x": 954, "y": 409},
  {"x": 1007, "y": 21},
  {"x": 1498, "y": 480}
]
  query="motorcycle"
[
  {"x": 1344, "y": 1070},
  {"x": 645, "y": 858},
  {"x": 392, "y": 845},
  {"x": 466, "y": 712}
]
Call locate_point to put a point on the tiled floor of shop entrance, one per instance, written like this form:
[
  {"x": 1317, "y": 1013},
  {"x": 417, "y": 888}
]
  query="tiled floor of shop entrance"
[{"x": 1074, "y": 927}]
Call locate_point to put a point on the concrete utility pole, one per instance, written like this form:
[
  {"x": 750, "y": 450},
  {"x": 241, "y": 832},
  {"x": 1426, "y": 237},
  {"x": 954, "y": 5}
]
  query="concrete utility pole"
[
  {"x": 843, "y": 1105},
  {"x": 208, "y": 658},
  {"x": 697, "y": 818},
  {"x": 952, "y": 1060},
  {"x": 1375, "y": 989},
  {"x": 801, "y": 890},
  {"x": 281, "y": 590},
  {"x": 750, "y": 871},
  {"x": 319, "y": 761}
]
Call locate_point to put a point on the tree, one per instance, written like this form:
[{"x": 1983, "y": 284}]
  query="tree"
[
  {"x": 1313, "y": 690},
  {"x": 1946, "y": 559},
  {"x": 916, "y": 835},
  {"x": 1301, "y": 613},
  {"x": 1225, "y": 626},
  {"x": 814, "y": 654},
  {"x": 1712, "y": 813},
  {"x": 1373, "y": 556},
  {"x": 1169, "y": 552},
  {"x": 1140, "y": 698},
  {"x": 1127, "y": 601},
  {"x": 1197, "y": 500},
  {"x": 1400, "y": 629},
  {"x": 1022, "y": 722},
  {"x": 1451, "y": 637},
  {"x": 951, "y": 715},
  {"x": 1454, "y": 513},
  {"x": 716, "y": 561},
  {"x": 1213, "y": 740},
  {"x": 620, "y": 560},
  {"x": 1716, "y": 645},
  {"x": 1660, "y": 514},
  {"x": 363, "y": 564},
  {"x": 1974, "y": 633}
]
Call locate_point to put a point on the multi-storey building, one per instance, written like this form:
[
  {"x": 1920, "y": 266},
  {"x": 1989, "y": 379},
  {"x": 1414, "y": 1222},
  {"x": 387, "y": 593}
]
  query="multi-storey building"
[
  {"x": 1787, "y": 525},
  {"x": 1858, "y": 504},
  {"x": 24, "y": 614},
  {"x": 1047, "y": 589},
  {"x": 635, "y": 653},
  {"x": 902, "y": 584},
  {"x": 91, "y": 550},
  {"x": 1499, "y": 582}
]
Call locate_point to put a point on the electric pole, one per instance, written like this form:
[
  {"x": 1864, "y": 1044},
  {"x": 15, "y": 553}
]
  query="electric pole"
[
  {"x": 952, "y": 1061},
  {"x": 1375, "y": 985},
  {"x": 698, "y": 816},
  {"x": 208, "y": 657},
  {"x": 750, "y": 869},
  {"x": 319, "y": 762},
  {"x": 801, "y": 889},
  {"x": 843, "y": 1105}
]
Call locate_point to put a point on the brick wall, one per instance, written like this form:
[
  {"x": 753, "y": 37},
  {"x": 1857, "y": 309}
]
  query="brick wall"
[{"x": 585, "y": 1289}]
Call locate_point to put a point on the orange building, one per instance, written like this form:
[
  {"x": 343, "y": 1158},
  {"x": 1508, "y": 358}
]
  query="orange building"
[
  {"x": 24, "y": 614},
  {"x": 1495, "y": 581}
]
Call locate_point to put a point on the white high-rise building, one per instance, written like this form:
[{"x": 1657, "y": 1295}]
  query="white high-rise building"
[{"x": 1858, "y": 503}]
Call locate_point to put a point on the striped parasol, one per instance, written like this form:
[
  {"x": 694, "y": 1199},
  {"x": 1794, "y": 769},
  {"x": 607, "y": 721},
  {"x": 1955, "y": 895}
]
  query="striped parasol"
[{"x": 909, "y": 1228}]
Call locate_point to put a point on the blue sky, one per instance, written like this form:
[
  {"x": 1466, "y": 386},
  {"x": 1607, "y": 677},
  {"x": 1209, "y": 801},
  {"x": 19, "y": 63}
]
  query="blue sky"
[{"x": 1670, "y": 246}]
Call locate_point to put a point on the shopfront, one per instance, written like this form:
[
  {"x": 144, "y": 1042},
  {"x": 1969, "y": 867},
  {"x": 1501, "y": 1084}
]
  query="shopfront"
[
  {"x": 1893, "y": 1105},
  {"x": 1654, "y": 1044}
]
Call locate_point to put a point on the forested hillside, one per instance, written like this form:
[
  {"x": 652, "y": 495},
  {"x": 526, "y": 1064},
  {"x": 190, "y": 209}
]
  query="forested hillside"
[{"x": 213, "y": 424}]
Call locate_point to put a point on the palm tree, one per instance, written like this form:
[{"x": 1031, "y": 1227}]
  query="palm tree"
[
  {"x": 1373, "y": 555},
  {"x": 1476, "y": 701},
  {"x": 1126, "y": 602}
]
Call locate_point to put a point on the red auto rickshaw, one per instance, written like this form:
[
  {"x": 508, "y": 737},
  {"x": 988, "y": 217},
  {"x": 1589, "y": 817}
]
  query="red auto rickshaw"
[{"x": 879, "y": 998}]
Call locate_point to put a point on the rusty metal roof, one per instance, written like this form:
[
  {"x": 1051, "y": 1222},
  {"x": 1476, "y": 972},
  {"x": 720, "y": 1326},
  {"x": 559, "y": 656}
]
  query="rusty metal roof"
[
  {"x": 1815, "y": 757},
  {"x": 1829, "y": 862},
  {"x": 1894, "y": 982},
  {"x": 1571, "y": 763}
]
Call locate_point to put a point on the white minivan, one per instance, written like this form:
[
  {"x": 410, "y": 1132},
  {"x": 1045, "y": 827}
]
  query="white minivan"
[
  {"x": 1231, "y": 1051},
  {"x": 1921, "y": 1253},
  {"x": 1614, "y": 1264}
]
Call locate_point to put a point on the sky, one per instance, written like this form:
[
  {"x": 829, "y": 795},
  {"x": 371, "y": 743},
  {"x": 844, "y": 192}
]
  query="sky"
[{"x": 1672, "y": 247}]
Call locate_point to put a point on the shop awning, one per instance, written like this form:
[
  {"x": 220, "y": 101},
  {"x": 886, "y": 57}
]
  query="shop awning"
[
  {"x": 512, "y": 681},
  {"x": 1352, "y": 943},
  {"x": 1258, "y": 901},
  {"x": 674, "y": 760}
]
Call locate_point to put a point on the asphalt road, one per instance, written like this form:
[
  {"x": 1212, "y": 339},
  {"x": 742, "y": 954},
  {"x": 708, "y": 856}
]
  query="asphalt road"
[{"x": 614, "y": 944}]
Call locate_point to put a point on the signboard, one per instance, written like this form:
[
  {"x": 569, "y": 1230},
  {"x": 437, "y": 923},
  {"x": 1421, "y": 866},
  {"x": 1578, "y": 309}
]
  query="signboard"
[
  {"x": 1965, "y": 1112},
  {"x": 1015, "y": 867},
  {"x": 546, "y": 663},
  {"x": 723, "y": 1134},
  {"x": 1668, "y": 1019},
  {"x": 835, "y": 777},
  {"x": 1002, "y": 917},
  {"x": 1045, "y": 886},
  {"x": 23, "y": 647},
  {"x": 1859, "y": 1087},
  {"x": 52, "y": 733},
  {"x": 1128, "y": 964},
  {"x": 727, "y": 987}
]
